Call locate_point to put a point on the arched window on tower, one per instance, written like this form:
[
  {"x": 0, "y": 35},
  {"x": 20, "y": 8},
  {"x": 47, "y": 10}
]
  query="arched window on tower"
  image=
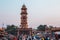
[{"x": 24, "y": 17}]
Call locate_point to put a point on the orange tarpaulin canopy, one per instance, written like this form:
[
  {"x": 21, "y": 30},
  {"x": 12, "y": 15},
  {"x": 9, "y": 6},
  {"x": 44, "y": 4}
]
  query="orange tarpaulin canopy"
[{"x": 1, "y": 29}]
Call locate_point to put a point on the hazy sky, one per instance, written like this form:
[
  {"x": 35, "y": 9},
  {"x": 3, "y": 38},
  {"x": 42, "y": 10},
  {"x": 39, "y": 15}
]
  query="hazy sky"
[{"x": 39, "y": 12}]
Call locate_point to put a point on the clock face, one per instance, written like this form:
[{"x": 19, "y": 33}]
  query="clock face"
[
  {"x": 23, "y": 11},
  {"x": 24, "y": 15}
]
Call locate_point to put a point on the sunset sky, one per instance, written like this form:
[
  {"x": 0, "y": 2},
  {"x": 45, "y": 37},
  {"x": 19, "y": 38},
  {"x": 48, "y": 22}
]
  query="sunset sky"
[{"x": 39, "y": 12}]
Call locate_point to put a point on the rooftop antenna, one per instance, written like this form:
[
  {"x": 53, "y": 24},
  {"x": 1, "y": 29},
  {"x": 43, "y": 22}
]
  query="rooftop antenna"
[{"x": 2, "y": 24}]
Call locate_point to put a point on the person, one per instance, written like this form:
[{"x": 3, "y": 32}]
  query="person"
[
  {"x": 47, "y": 38},
  {"x": 29, "y": 37},
  {"x": 14, "y": 38},
  {"x": 9, "y": 38},
  {"x": 19, "y": 37},
  {"x": 23, "y": 37},
  {"x": 43, "y": 38},
  {"x": 32, "y": 37},
  {"x": 4, "y": 38}
]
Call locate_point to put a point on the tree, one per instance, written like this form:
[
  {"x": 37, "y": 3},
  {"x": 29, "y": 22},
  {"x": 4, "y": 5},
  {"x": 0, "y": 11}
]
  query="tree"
[
  {"x": 50, "y": 26},
  {"x": 41, "y": 27},
  {"x": 11, "y": 29}
]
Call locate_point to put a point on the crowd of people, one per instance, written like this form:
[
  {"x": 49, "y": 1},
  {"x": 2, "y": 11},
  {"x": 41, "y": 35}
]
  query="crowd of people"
[{"x": 37, "y": 36}]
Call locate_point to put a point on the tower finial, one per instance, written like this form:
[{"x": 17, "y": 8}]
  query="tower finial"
[{"x": 24, "y": 5}]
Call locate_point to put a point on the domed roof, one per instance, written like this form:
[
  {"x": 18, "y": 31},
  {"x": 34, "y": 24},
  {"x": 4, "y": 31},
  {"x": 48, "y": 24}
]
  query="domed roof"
[{"x": 23, "y": 6}]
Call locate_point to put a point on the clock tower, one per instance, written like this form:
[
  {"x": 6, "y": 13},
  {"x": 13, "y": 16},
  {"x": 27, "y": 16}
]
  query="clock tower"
[
  {"x": 24, "y": 17},
  {"x": 24, "y": 24}
]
